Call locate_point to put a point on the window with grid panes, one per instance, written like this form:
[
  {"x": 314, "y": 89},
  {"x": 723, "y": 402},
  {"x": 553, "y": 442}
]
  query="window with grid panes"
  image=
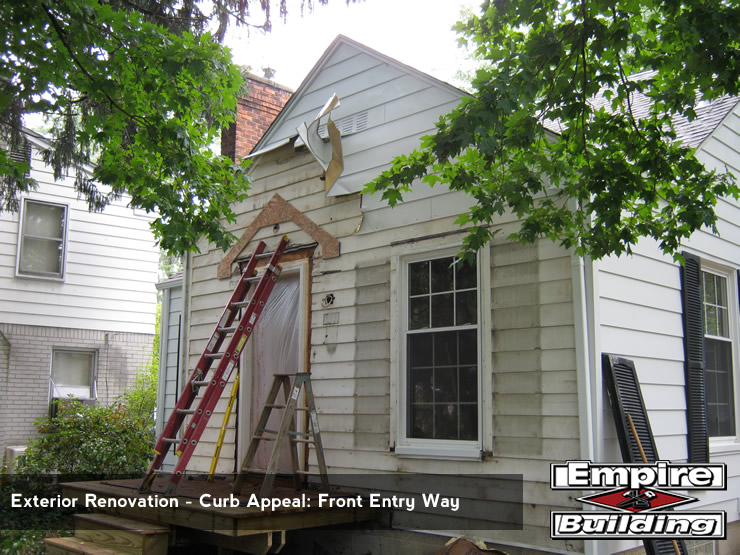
[
  {"x": 442, "y": 350},
  {"x": 718, "y": 356}
]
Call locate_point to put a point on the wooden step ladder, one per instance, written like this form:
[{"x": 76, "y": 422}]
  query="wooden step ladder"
[
  {"x": 209, "y": 387},
  {"x": 287, "y": 430}
]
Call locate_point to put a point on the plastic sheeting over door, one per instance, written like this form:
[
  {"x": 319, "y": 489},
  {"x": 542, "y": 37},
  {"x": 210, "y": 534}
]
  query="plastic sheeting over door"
[{"x": 275, "y": 350}]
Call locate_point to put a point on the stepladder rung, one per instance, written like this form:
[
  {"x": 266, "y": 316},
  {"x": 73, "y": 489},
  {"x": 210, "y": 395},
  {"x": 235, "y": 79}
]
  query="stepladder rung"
[
  {"x": 299, "y": 440},
  {"x": 185, "y": 411},
  {"x": 308, "y": 473},
  {"x": 300, "y": 434},
  {"x": 239, "y": 304},
  {"x": 170, "y": 440},
  {"x": 263, "y": 438},
  {"x": 200, "y": 383},
  {"x": 230, "y": 329},
  {"x": 214, "y": 355}
]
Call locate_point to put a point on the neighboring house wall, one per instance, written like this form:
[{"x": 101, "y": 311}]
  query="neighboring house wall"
[
  {"x": 640, "y": 317},
  {"x": 96, "y": 302}
]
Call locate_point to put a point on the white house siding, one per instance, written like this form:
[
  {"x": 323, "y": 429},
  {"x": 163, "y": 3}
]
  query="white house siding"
[
  {"x": 640, "y": 317},
  {"x": 111, "y": 267},
  {"x": 532, "y": 417},
  {"x": 106, "y": 303},
  {"x": 170, "y": 376}
]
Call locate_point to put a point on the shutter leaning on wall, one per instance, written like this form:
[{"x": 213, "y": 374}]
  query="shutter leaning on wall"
[
  {"x": 693, "y": 333},
  {"x": 625, "y": 398}
]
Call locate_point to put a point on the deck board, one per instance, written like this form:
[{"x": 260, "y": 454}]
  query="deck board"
[{"x": 228, "y": 521}]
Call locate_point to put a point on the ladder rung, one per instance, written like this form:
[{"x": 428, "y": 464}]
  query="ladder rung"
[
  {"x": 185, "y": 411},
  {"x": 269, "y": 406},
  {"x": 263, "y": 438},
  {"x": 298, "y": 440},
  {"x": 214, "y": 355},
  {"x": 230, "y": 329},
  {"x": 308, "y": 473},
  {"x": 170, "y": 440},
  {"x": 239, "y": 304},
  {"x": 265, "y": 430},
  {"x": 255, "y": 470},
  {"x": 200, "y": 383},
  {"x": 303, "y": 434}
]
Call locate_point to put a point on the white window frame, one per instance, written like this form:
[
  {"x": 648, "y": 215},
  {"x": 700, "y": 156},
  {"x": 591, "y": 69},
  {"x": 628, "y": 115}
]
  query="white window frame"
[
  {"x": 93, "y": 370},
  {"x": 405, "y": 446},
  {"x": 21, "y": 236},
  {"x": 725, "y": 443}
]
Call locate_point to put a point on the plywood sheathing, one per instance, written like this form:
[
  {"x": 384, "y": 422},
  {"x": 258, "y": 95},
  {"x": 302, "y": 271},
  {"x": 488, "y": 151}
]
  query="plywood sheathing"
[{"x": 277, "y": 211}]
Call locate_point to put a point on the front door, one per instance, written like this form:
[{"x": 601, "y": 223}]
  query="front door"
[{"x": 276, "y": 348}]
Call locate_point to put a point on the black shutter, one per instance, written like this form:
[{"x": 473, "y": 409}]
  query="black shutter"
[
  {"x": 693, "y": 334},
  {"x": 625, "y": 398}
]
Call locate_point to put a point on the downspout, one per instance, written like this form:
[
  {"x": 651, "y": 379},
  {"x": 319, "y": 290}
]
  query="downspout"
[
  {"x": 582, "y": 328},
  {"x": 184, "y": 362}
]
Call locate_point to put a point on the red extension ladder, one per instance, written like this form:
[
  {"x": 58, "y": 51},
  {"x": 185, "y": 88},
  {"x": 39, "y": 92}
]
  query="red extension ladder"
[{"x": 205, "y": 389}]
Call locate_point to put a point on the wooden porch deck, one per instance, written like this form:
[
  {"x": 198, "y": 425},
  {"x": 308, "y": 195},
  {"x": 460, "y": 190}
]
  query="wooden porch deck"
[{"x": 186, "y": 512}]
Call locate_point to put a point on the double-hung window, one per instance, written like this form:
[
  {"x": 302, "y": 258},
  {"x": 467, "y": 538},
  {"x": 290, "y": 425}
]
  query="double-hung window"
[
  {"x": 440, "y": 363},
  {"x": 711, "y": 344},
  {"x": 718, "y": 365},
  {"x": 42, "y": 240}
]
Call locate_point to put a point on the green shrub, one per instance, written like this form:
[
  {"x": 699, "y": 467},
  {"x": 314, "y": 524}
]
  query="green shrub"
[{"x": 92, "y": 440}]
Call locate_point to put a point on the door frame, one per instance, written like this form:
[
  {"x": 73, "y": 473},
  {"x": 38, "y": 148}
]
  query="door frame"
[{"x": 302, "y": 267}]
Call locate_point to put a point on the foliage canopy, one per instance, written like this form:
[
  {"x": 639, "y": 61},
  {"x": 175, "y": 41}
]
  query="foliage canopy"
[
  {"x": 553, "y": 131},
  {"x": 139, "y": 90}
]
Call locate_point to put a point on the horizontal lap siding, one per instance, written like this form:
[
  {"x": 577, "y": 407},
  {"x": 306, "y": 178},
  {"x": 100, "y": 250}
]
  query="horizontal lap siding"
[
  {"x": 535, "y": 411},
  {"x": 640, "y": 315},
  {"x": 111, "y": 267}
]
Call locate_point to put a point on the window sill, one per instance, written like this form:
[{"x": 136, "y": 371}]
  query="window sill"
[
  {"x": 448, "y": 450},
  {"x": 728, "y": 446}
]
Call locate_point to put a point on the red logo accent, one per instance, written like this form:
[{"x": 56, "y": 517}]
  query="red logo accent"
[{"x": 636, "y": 500}]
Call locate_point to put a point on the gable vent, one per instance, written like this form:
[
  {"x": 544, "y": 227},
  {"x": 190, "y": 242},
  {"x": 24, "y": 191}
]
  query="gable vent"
[
  {"x": 22, "y": 153},
  {"x": 351, "y": 124}
]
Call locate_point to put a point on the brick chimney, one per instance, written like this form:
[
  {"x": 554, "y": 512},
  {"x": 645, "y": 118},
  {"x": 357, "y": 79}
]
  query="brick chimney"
[{"x": 254, "y": 114}]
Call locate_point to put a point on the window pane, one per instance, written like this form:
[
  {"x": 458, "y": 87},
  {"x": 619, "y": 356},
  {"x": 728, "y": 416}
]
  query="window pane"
[
  {"x": 422, "y": 423},
  {"x": 419, "y": 313},
  {"x": 41, "y": 256},
  {"x": 443, "y": 314},
  {"x": 445, "y": 421},
  {"x": 445, "y": 385},
  {"x": 469, "y": 384},
  {"x": 441, "y": 274},
  {"x": 469, "y": 422},
  {"x": 420, "y": 350},
  {"x": 421, "y": 386},
  {"x": 466, "y": 276},
  {"x": 468, "y": 341},
  {"x": 71, "y": 373},
  {"x": 43, "y": 220},
  {"x": 419, "y": 278},
  {"x": 719, "y": 387},
  {"x": 445, "y": 348},
  {"x": 466, "y": 308}
]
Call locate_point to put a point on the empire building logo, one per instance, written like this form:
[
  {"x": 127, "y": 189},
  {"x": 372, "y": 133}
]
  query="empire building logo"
[{"x": 640, "y": 499}]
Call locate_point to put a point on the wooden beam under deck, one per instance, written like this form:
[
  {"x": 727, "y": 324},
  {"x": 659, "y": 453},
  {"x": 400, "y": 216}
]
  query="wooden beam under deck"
[{"x": 226, "y": 521}]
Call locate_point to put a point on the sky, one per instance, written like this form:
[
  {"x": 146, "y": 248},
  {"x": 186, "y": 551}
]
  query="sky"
[{"x": 415, "y": 32}]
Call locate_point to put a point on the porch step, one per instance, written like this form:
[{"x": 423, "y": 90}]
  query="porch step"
[
  {"x": 64, "y": 546},
  {"x": 103, "y": 534},
  {"x": 124, "y": 534}
]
